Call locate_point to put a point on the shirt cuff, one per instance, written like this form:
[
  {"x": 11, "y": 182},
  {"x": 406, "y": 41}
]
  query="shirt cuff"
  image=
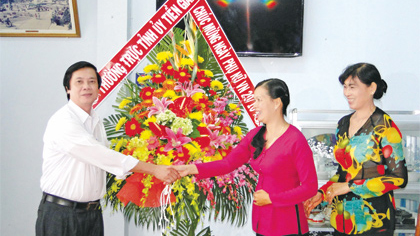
[{"x": 129, "y": 163}]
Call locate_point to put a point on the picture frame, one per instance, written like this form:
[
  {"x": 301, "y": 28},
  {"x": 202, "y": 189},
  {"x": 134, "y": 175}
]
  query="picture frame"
[{"x": 48, "y": 18}]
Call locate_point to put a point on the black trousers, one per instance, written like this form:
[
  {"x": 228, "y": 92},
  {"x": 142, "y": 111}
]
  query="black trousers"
[{"x": 54, "y": 220}]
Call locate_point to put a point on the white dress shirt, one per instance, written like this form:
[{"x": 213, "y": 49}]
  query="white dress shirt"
[{"x": 76, "y": 156}]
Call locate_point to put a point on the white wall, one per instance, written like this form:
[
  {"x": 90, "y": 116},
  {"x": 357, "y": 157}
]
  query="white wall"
[{"x": 336, "y": 33}]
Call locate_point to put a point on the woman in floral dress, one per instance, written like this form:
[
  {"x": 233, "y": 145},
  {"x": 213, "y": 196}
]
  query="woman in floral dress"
[{"x": 371, "y": 161}]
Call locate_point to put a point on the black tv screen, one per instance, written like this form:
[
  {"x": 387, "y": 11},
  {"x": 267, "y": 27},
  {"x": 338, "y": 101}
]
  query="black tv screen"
[{"x": 264, "y": 28}]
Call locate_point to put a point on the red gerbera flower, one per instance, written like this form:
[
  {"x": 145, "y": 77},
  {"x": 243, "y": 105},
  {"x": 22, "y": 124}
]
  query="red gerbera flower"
[
  {"x": 158, "y": 78},
  {"x": 167, "y": 68},
  {"x": 182, "y": 156},
  {"x": 204, "y": 104},
  {"x": 202, "y": 80},
  {"x": 161, "y": 150},
  {"x": 182, "y": 75},
  {"x": 132, "y": 127},
  {"x": 147, "y": 93}
]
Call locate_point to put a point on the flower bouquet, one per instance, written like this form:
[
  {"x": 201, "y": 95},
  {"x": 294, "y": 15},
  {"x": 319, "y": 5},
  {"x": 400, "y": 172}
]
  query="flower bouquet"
[{"x": 179, "y": 111}]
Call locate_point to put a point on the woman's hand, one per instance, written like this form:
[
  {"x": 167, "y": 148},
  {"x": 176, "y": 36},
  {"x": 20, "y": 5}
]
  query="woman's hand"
[
  {"x": 336, "y": 189},
  {"x": 185, "y": 170},
  {"x": 261, "y": 198},
  {"x": 311, "y": 203}
]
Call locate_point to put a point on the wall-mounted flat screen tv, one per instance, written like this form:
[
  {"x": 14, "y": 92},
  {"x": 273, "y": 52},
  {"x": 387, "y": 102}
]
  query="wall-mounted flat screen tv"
[{"x": 261, "y": 28}]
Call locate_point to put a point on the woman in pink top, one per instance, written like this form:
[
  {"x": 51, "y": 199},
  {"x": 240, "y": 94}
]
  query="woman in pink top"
[{"x": 280, "y": 154}]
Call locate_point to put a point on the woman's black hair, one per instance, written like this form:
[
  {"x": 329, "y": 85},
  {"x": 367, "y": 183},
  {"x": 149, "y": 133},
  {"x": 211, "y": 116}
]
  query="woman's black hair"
[
  {"x": 276, "y": 88},
  {"x": 367, "y": 74},
  {"x": 73, "y": 68}
]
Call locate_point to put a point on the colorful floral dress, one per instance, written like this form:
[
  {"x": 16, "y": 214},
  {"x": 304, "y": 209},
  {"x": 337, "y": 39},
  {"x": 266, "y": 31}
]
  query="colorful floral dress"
[{"x": 373, "y": 164}]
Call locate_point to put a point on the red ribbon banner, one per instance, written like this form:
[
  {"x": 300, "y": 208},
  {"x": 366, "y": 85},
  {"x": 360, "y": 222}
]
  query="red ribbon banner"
[
  {"x": 157, "y": 27},
  {"x": 141, "y": 44},
  {"x": 225, "y": 56}
]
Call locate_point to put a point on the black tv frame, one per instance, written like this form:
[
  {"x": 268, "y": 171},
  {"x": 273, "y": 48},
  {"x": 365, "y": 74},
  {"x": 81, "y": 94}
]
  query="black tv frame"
[{"x": 282, "y": 26}]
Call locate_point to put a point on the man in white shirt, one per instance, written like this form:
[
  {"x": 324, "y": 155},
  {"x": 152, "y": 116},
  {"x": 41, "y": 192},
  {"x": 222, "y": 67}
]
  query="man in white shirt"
[{"x": 76, "y": 159}]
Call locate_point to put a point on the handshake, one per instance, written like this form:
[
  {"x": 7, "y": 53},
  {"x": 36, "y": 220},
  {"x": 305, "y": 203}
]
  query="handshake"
[{"x": 169, "y": 174}]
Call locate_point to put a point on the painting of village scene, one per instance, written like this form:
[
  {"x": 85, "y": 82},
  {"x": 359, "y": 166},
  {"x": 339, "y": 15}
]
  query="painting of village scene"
[{"x": 44, "y": 18}]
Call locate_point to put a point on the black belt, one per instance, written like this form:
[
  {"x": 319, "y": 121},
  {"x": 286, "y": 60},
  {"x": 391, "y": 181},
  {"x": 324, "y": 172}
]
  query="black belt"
[{"x": 95, "y": 205}]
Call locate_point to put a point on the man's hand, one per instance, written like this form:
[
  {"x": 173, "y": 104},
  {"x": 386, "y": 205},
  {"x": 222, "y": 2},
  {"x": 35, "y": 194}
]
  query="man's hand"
[
  {"x": 261, "y": 198},
  {"x": 166, "y": 174}
]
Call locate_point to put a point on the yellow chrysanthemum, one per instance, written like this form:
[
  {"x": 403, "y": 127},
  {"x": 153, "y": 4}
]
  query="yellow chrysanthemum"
[
  {"x": 216, "y": 85},
  {"x": 197, "y": 96},
  {"x": 146, "y": 134},
  {"x": 134, "y": 142},
  {"x": 164, "y": 56},
  {"x": 232, "y": 106},
  {"x": 120, "y": 123},
  {"x": 149, "y": 68},
  {"x": 119, "y": 144},
  {"x": 150, "y": 119},
  {"x": 208, "y": 73},
  {"x": 141, "y": 79},
  {"x": 163, "y": 160},
  {"x": 169, "y": 94},
  {"x": 200, "y": 59},
  {"x": 196, "y": 115},
  {"x": 141, "y": 153},
  {"x": 187, "y": 62},
  {"x": 237, "y": 130},
  {"x": 124, "y": 103}
]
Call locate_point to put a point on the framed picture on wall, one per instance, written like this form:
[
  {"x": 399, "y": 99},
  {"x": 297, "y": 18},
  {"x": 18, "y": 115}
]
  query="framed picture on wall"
[{"x": 39, "y": 18}]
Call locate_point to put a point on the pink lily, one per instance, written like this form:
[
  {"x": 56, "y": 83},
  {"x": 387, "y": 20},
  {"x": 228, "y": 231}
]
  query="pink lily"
[
  {"x": 188, "y": 88},
  {"x": 160, "y": 106},
  {"x": 217, "y": 140},
  {"x": 175, "y": 140},
  {"x": 210, "y": 121}
]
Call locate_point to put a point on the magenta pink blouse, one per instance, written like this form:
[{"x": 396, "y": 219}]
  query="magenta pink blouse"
[{"x": 286, "y": 172}]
